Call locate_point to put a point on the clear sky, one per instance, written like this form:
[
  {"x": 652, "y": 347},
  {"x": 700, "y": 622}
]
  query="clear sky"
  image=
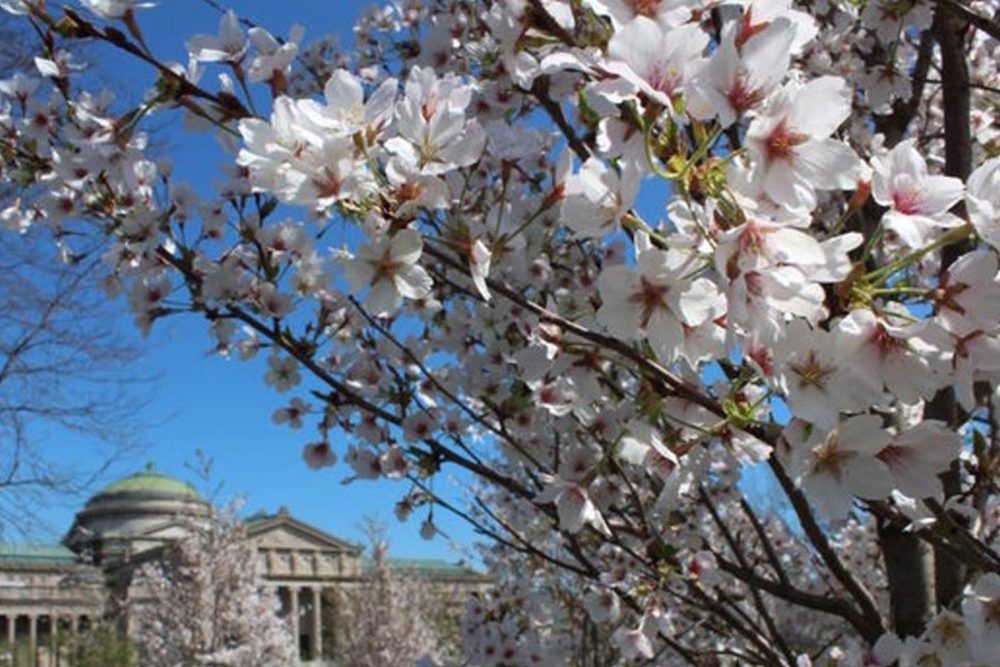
[{"x": 223, "y": 407}]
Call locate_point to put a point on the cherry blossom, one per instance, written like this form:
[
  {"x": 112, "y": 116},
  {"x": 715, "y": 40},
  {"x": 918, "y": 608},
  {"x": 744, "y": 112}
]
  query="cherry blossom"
[
  {"x": 917, "y": 456},
  {"x": 347, "y": 111},
  {"x": 388, "y": 268},
  {"x": 274, "y": 58},
  {"x": 203, "y": 601},
  {"x": 890, "y": 354},
  {"x": 793, "y": 153},
  {"x": 981, "y": 198},
  {"x": 918, "y": 202},
  {"x": 835, "y": 466},
  {"x": 653, "y": 301},
  {"x": 739, "y": 77},
  {"x": 969, "y": 298},
  {"x": 574, "y": 505},
  {"x": 115, "y": 9},
  {"x": 283, "y": 372},
  {"x": 623, "y": 12},
  {"x": 319, "y": 455},
  {"x": 656, "y": 60},
  {"x": 596, "y": 197},
  {"x": 818, "y": 378},
  {"x": 228, "y": 46},
  {"x": 16, "y": 6},
  {"x": 434, "y": 134}
]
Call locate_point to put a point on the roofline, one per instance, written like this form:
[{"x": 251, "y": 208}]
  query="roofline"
[
  {"x": 145, "y": 495},
  {"x": 258, "y": 526},
  {"x": 428, "y": 565},
  {"x": 361, "y": 578},
  {"x": 50, "y": 566},
  {"x": 151, "y": 473}
]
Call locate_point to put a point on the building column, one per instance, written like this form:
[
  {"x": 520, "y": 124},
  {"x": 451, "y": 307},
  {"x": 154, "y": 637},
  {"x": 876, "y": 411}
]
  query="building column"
[
  {"x": 317, "y": 623},
  {"x": 11, "y": 629},
  {"x": 33, "y": 639},
  {"x": 54, "y": 639},
  {"x": 293, "y": 596}
]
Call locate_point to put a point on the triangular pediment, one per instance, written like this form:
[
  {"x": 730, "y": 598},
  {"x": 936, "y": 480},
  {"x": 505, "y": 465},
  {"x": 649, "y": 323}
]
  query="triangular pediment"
[{"x": 283, "y": 531}]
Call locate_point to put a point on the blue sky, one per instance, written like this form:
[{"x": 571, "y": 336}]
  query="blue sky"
[{"x": 223, "y": 407}]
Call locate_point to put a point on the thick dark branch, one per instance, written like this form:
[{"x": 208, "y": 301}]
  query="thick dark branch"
[
  {"x": 828, "y": 604},
  {"x": 870, "y": 623},
  {"x": 555, "y": 112},
  {"x": 951, "y": 34},
  {"x": 893, "y": 126},
  {"x": 950, "y": 28},
  {"x": 909, "y": 570},
  {"x": 963, "y": 13}
]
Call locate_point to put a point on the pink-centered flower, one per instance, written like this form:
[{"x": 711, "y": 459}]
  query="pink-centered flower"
[
  {"x": 917, "y": 456},
  {"x": 656, "y": 301},
  {"x": 833, "y": 467},
  {"x": 738, "y": 77},
  {"x": 790, "y": 145},
  {"x": 573, "y": 505},
  {"x": 388, "y": 268},
  {"x": 918, "y": 202},
  {"x": 655, "y": 59},
  {"x": 319, "y": 455}
]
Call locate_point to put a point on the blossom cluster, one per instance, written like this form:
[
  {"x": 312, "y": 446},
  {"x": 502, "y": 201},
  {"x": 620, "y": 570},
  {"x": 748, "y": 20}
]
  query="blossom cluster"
[{"x": 609, "y": 256}]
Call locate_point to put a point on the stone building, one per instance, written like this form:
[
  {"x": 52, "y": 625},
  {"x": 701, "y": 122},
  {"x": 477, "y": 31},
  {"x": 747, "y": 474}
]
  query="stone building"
[{"x": 48, "y": 591}]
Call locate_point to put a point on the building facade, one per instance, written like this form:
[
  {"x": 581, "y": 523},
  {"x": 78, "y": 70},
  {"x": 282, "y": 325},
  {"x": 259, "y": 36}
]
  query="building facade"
[{"x": 48, "y": 592}]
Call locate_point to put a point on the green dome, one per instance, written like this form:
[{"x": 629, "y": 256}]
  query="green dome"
[{"x": 152, "y": 482}]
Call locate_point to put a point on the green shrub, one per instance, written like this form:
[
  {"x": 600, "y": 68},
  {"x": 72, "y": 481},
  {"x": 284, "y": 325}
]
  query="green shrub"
[{"x": 104, "y": 646}]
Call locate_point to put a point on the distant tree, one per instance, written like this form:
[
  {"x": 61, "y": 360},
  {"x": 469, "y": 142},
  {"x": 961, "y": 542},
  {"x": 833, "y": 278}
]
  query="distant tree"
[
  {"x": 65, "y": 368},
  {"x": 202, "y": 603},
  {"x": 395, "y": 616}
]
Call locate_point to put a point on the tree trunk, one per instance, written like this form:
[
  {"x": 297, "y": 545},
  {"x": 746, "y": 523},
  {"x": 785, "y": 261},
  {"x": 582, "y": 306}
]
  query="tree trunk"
[
  {"x": 917, "y": 582},
  {"x": 909, "y": 567},
  {"x": 951, "y": 32}
]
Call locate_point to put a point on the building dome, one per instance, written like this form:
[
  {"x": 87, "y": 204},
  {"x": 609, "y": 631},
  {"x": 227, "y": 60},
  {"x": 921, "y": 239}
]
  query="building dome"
[
  {"x": 136, "y": 513},
  {"x": 149, "y": 483}
]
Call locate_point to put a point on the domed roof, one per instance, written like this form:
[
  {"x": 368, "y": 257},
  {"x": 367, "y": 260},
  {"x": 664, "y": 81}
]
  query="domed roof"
[
  {"x": 150, "y": 482},
  {"x": 137, "y": 512}
]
